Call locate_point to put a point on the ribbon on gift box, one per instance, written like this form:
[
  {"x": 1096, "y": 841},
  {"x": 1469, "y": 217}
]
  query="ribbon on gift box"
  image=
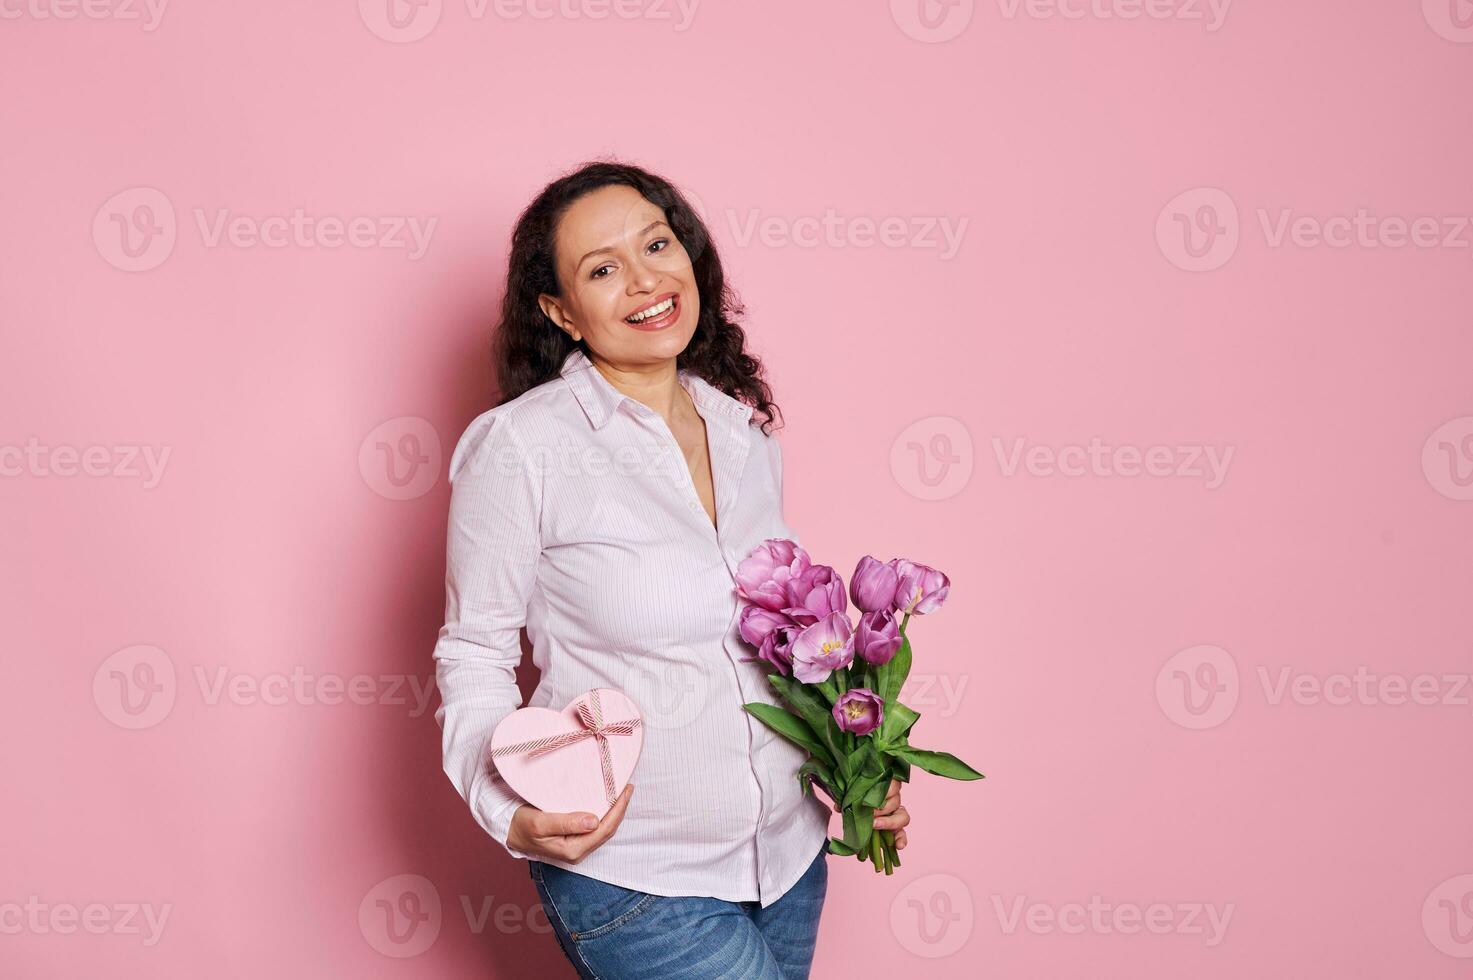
[{"x": 591, "y": 714}]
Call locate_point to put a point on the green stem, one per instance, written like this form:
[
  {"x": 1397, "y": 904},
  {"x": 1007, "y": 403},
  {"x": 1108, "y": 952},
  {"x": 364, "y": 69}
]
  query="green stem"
[
  {"x": 877, "y": 852},
  {"x": 892, "y": 853}
]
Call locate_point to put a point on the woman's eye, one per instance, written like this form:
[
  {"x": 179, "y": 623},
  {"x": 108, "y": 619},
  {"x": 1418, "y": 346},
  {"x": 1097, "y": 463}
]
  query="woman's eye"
[
  {"x": 597, "y": 273},
  {"x": 664, "y": 243}
]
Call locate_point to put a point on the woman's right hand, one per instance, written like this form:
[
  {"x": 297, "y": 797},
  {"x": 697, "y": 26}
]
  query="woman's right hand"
[{"x": 566, "y": 837}]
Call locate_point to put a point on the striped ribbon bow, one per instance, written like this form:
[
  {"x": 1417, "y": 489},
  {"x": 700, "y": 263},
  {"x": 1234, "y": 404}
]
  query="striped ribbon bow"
[{"x": 591, "y": 714}]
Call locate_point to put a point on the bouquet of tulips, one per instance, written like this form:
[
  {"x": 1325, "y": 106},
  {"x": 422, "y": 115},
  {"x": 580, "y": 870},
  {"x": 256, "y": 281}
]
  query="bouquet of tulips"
[{"x": 840, "y": 682}]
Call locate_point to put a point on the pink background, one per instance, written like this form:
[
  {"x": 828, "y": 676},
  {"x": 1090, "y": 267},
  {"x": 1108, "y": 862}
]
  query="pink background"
[{"x": 270, "y": 823}]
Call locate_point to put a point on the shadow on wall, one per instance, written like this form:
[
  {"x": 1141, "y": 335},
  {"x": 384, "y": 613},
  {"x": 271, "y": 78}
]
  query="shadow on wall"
[{"x": 492, "y": 923}]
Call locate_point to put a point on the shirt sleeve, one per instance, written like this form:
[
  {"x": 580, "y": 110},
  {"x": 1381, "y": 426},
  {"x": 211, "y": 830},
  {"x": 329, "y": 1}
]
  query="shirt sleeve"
[
  {"x": 785, "y": 530},
  {"x": 492, "y": 548}
]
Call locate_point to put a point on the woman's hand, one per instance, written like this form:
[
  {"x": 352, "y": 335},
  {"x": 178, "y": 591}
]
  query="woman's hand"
[
  {"x": 566, "y": 837},
  {"x": 891, "y": 815}
]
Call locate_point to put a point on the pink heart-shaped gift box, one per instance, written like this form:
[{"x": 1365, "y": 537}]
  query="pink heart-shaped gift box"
[{"x": 570, "y": 777}]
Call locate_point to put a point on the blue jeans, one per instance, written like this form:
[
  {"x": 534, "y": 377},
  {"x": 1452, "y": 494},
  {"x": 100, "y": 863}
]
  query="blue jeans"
[{"x": 613, "y": 933}]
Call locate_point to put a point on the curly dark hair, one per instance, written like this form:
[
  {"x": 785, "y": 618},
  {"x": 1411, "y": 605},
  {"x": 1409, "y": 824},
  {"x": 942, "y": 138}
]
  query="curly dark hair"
[{"x": 528, "y": 349}]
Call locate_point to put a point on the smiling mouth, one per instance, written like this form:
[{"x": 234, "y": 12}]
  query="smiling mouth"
[{"x": 656, "y": 315}]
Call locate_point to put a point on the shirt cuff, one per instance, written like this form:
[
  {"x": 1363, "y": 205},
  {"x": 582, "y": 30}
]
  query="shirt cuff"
[{"x": 498, "y": 805}]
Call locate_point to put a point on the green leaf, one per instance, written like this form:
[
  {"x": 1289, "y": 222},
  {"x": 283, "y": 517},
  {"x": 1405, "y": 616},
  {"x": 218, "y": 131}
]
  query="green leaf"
[
  {"x": 900, "y": 768},
  {"x": 859, "y": 823},
  {"x": 876, "y": 795},
  {"x": 789, "y": 727},
  {"x": 829, "y": 689},
  {"x": 860, "y": 788},
  {"x": 803, "y": 700},
  {"x": 820, "y": 717},
  {"x": 837, "y": 846},
  {"x": 939, "y": 763},
  {"x": 894, "y": 673},
  {"x": 865, "y": 760},
  {"x": 815, "y": 769},
  {"x": 898, "y": 720}
]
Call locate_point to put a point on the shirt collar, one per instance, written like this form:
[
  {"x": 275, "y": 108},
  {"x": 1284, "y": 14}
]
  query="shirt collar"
[{"x": 599, "y": 398}]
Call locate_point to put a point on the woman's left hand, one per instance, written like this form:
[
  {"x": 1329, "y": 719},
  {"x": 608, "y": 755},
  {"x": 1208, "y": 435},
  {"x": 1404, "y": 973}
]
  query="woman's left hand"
[{"x": 891, "y": 815}]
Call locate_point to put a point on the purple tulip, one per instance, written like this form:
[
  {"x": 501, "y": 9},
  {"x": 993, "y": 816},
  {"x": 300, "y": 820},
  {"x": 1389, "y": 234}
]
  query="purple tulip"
[
  {"x": 822, "y": 648},
  {"x": 771, "y": 633},
  {"x": 877, "y": 638},
  {"x": 922, "y": 589},
  {"x": 873, "y": 585},
  {"x": 814, "y": 593},
  {"x": 859, "y": 710},
  {"x": 763, "y": 576},
  {"x": 758, "y": 622},
  {"x": 777, "y": 649}
]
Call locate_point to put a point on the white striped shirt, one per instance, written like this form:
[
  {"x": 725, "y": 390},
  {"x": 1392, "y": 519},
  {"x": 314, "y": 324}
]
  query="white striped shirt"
[{"x": 573, "y": 513}]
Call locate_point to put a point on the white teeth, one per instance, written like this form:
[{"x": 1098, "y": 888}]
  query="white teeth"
[{"x": 652, "y": 311}]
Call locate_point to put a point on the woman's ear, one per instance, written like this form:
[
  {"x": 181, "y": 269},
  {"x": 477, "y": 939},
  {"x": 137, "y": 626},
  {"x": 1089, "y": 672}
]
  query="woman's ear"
[{"x": 554, "y": 311}]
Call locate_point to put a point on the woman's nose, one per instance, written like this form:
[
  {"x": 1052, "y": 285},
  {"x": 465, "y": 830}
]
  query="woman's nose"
[{"x": 642, "y": 278}]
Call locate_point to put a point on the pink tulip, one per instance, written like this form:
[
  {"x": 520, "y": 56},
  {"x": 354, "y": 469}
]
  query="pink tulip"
[
  {"x": 814, "y": 593},
  {"x": 922, "y": 589},
  {"x": 859, "y": 710},
  {"x": 872, "y": 586},
  {"x": 877, "y": 638},
  {"x": 771, "y": 633},
  {"x": 758, "y": 622},
  {"x": 763, "y": 576},
  {"x": 823, "y": 648}
]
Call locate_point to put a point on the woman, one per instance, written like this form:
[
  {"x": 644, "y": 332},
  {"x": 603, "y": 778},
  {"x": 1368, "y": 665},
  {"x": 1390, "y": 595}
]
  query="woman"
[{"x": 605, "y": 504}]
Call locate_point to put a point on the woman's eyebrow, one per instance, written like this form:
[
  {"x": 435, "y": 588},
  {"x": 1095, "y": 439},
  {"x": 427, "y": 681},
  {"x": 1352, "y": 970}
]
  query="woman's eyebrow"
[{"x": 609, "y": 248}]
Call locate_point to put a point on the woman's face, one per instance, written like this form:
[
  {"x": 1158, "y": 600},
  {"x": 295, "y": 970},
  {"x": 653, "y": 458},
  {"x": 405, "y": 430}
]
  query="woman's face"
[{"x": 628, "y": 286}]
